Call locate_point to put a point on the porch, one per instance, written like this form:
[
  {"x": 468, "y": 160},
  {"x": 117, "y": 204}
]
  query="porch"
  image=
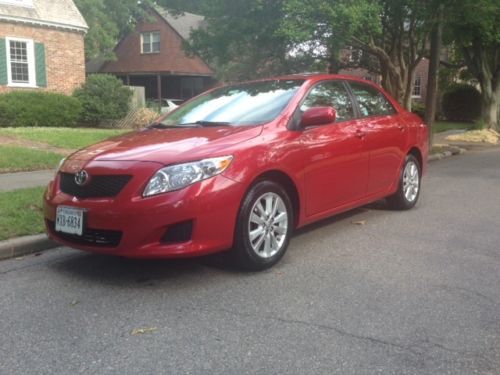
[{"x": 165, "y": 86}]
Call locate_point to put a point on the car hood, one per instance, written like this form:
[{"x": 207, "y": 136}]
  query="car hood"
[{"x": 167, "y": 146}]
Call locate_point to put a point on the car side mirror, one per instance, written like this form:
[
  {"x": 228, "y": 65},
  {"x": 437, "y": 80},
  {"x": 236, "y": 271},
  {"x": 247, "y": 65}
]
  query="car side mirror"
[{"x": 318, "y": 116}]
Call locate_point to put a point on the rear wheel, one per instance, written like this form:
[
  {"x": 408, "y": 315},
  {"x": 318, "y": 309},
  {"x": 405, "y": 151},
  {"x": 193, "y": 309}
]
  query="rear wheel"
[
  {"x": 264, "y": 227},
  {"x": 409, "y": 185}
]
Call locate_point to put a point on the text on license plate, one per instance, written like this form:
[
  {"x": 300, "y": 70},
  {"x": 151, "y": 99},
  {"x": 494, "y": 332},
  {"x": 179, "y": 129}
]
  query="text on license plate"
[{"x": 69, "y": 220}]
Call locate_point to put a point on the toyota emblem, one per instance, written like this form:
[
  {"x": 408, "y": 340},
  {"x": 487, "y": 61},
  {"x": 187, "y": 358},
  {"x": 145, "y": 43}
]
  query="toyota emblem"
[{"x": 81, "y": 177}]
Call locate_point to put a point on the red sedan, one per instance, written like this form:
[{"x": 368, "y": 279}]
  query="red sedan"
[{"x": 240, "y": 167}]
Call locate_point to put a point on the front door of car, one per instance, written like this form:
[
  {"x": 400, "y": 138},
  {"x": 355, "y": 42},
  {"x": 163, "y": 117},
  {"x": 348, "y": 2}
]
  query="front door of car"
[
  {"x": 335, "y": 157},
  {"x": 386, "y": 136}
]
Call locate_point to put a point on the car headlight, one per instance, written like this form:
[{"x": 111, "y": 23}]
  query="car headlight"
[{"x": 179, "y": 176}]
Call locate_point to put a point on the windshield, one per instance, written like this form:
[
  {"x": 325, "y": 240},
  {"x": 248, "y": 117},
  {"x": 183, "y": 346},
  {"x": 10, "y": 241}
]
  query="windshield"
[{"x": 239, "y": 105}]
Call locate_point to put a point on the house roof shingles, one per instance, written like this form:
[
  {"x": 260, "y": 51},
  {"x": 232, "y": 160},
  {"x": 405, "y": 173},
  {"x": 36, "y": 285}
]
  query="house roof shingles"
[
  {"x": 50, "y": 13},
  {"x": 183, "y": 23}
]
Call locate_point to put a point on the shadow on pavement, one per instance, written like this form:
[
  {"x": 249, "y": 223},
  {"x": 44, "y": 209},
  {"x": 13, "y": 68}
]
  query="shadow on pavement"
[
  {"x": 141, "y": 272},
  {"x": 148, "y": 272}
]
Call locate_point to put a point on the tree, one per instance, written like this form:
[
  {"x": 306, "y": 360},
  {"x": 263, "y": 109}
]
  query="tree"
[
  {"x": 433, "y": 78},
  {"x": 474, "y": 25},
  {"x": 395, "y": 32},
  {"x": 109, "y": 21},
  {"x": 241, "y": 40}
]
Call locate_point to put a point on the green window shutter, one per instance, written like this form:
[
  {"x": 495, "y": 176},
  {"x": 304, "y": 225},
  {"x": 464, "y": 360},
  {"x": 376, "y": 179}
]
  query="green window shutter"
[
  {"x": 3, "y": 63},
  {"x": 41, "y": 70}
]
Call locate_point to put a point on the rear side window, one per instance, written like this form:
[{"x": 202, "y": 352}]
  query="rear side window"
[
  {"x": 371, "y": 102},
  {"x": 330, "y": 94}
]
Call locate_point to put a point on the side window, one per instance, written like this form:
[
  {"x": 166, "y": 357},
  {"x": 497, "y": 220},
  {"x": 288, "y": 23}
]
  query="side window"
[
  {"x": 371, "y": 101},
  {"x": 330, "y": 94}
]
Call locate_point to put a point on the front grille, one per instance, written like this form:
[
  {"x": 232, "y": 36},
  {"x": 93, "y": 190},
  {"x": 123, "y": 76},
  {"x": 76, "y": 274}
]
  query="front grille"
[
  {"x": 90, "y": 237},
  {"x": 99, "y": 186}
]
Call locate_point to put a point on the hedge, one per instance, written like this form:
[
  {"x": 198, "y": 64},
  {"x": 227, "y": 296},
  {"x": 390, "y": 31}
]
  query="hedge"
[
  {"x": 462, "y": 103},
  {"x": 32, "y": 108}
]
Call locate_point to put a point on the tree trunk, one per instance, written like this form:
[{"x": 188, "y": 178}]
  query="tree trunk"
[
  {"x": 490, "y": 95},
  {"x": 392, "y": 81},
  {"x": 432, "y": 79}
]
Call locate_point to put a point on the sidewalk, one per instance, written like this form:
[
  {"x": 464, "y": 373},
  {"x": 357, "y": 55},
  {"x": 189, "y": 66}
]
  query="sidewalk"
[{"x": 21, "y": 180}]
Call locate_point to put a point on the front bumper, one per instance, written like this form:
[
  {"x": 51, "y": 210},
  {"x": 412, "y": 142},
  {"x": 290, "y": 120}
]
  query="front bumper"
[{"x": 211, "y": 206}]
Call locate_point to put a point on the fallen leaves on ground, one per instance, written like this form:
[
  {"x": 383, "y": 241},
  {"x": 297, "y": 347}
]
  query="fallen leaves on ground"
[
  {"x": 484, "y": 136},
  {"x": 142, "y": 331},
  {"x": 359, "y": 222}
]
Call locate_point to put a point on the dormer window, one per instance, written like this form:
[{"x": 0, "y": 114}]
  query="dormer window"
[
  {"x": 21, "y": 3},
  {"x": 150, "y": 42}
]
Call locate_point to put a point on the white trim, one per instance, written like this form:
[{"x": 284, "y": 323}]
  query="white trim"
[
  {"x": 150, "y": 43},
  {"x": 44, "y": 23},
  {"x": 419, "y": 79},
  {"x": 19, "y": 3},
  {"x": 30, "y": 50}
]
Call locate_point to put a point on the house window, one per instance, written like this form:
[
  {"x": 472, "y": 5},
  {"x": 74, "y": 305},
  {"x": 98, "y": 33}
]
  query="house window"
[
  {"x": 355, "y": 55},
  {"x": 417, "y": 87},
  {"x": 20, "y": 62},
  {"x": 150, "y": 42}
]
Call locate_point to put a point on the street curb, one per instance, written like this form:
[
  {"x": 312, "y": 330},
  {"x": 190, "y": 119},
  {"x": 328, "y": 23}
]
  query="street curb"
[
  {"x": 447, "y": 154},
  {"x": 21, "y": 246}
]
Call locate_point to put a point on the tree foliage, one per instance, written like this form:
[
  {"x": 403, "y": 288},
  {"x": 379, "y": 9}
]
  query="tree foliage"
[
  {"x": 474, "y": 28},
  {"x": 241, "y": 39},
  {"x": 395, "y": 32},
  {"x": 108, "y": 20}
]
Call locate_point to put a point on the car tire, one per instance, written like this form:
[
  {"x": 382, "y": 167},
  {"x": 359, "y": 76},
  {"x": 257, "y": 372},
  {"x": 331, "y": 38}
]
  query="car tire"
[
  {"x": 409, "y": 185},
  {"x": 264, "y": 226}
]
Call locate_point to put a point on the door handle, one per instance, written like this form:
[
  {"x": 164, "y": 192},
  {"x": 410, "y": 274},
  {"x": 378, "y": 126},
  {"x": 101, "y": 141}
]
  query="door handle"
[{"x": 402, "y": 127}]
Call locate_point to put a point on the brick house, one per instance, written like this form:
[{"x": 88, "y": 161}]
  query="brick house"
[
  {"x": 41, "y": 45},
  {"x": 152, "y": 56}
]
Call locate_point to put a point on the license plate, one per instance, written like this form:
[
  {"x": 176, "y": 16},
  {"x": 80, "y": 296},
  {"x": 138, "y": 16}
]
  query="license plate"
[{"x": 69, "y": 220}]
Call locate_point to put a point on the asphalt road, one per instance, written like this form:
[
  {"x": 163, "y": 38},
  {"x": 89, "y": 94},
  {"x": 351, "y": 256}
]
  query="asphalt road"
[{"x": 413, "y": 292}]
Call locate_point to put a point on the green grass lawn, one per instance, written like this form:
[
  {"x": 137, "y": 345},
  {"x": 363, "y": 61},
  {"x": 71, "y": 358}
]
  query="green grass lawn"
[
  {"x": 71, "y": 138},
  {"x": 18, "y": 159},
  {"x": 21, "y": 213},
  {"x": 442, "y": 126}
]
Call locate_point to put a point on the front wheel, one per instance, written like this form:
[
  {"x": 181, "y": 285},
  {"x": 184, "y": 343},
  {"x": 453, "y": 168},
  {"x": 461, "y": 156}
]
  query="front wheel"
[
  {"x": 264, "y": 227},
  {"x": 409, "y": 185}
]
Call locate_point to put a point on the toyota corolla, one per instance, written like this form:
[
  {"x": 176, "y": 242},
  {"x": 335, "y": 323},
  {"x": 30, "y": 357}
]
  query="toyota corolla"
[{"x": 240, "y": 168}]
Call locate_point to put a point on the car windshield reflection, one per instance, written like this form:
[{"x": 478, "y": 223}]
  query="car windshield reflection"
[{"x": 239, "y": 105}]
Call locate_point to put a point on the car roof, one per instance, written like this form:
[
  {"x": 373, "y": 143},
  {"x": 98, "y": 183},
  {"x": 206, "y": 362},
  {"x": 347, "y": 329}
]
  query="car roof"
[{"x": 321, "y": 77}]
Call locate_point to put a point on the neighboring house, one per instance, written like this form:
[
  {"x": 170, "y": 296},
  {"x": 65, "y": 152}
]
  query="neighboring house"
[
  {"x": 41, "y": 45},
  {"x": 152, "y": 56}
]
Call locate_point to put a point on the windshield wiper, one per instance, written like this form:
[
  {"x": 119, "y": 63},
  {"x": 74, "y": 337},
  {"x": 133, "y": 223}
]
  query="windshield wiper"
[
  {"x": 212, "y": 123},
  {"x": 159, "y": 125}
]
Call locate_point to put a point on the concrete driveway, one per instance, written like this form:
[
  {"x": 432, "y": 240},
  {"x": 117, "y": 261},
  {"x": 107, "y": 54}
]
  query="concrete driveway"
[{"x": 413, "y": 292}]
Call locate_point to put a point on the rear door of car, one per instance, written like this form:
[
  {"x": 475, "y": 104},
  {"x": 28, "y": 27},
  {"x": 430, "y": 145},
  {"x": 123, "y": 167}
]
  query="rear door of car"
[
  {"x": 335, "y": 155},
  {"x": 385, "y": 135}
]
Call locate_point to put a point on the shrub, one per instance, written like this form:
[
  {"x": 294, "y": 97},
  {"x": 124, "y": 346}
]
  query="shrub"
[
  {"x": 462, "y": 103},
  {"x": 418, "y": 108},
  {"x": 103, "y": 97},
  {"x": 32, "y": 108}
]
